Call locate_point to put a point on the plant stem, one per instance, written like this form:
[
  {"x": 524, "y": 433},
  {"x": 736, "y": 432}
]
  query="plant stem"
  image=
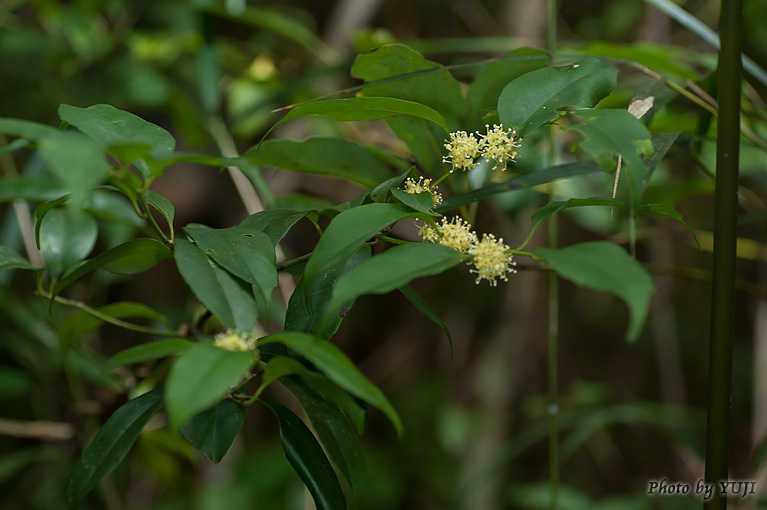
[
  {"x": 106, "y": 318},
  {"x": 725, "y": 235},
  {"x": 293, "y": 262}
]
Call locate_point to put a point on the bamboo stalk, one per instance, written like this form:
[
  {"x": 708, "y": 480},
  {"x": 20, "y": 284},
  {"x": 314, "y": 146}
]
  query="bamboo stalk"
[{"x": 725, "y": 235}]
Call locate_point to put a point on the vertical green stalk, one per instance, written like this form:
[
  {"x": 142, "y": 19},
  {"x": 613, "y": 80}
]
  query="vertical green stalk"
[
  {"x": 553, "y": 298},
  {"x": 725, "y": 216}
]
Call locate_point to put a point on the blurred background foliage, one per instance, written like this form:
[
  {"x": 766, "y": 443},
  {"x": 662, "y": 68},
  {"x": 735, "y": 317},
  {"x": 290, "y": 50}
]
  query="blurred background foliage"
[{"x": 475, "y": 421}]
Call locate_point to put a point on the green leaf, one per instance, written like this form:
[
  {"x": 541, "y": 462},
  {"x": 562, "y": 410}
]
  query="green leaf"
[
  {"x": 80, "y": 323},
  {"x": 10, "y": 259},
  {"x": 606, "y": 266},
  {"x": 306, "y": 456},
  {"x": 325, "y": 156},
  {"x": 281, "y": 366},
  {"x": 224, "y": 295},
  {"x": 32, "y": 189},
  {"x": 667, "y": 60},
  {"x": 349, "y": 230},
  {"x": 163, "y": 205},
  {"x": 615, "y": 132},
  {"x": 248, "y": 254},
  {"x": 76, "y": 161},
  {"x": 547, "y": 211},
  {"x": 308, "y": 309},
  {"x": 26, "y": 129},
  {"x": 273, "y": 222},
  {"x": 112, "y": 206},
  {"x": 334, "y": 432},
  {"x": 363, "y": 108},
  {"x": 147, "y": 352},
  {"x": 665, "y": 210},
  {"x": 393, "y": 269},
  {"x": 214, "y": 430},
  {"x": 128, "y": 136},
  {"x": 66, "y": 236},
  {"x": 520, "y": 182},
  {"x": 337, "y": 367},
  {"x": 382, "y": 192},
  {"x": 405, "y": 74},
  {"x": 401, "y": 72},
  {"x": 423, "y": 307},
  {"x": 533, "y": 99},
  {"x": 111, "y": 444},
  {"x": 201, "y": 376},
  {"x": 135, "y": 256},
  {"x": 421, "y": 202},
  {"x": 490, "y": 81}
]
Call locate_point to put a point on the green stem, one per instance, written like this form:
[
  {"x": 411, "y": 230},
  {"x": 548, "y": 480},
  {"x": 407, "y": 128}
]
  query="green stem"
[
  {"x": 392, "y": 240},
  {"x": 106, "y": 318},
  {"x": 154, "y": 225},
  {"x": 725, "y": 236},
  {"x": 293, "y": 262}
]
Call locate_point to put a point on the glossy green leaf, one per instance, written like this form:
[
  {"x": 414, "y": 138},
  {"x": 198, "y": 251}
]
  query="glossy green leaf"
[
  {"x": 111, "y": 444},
  {"x": 112, "y": 127},
  {"x": 364, "y": 108},
  {"x": 163, "y": 205},
  {"x": 616, "y": 133},
  {"x": 273, "y": 222},
  {"x": 401, "y": 72},
  {"x": 337, "y": 367},
  {"x": 605, "y": 266},
  {"x": 32, "y": 189},
  {"x": 248, "y": 254},
  {"x": 73, "y": 329},
  {"x": 349, "y": 230},
  {"x": 135, "y": 256},
  {"x": 422, "y": 306},
  {"x": 214, "y": 430},
  {"x": 393, "y": 269},
  {"x": 308, "y": 309},
  {"x": 421, "y": 202},
  {"x": 200, "y": 377},
  {"x": 533, "y": 99},
  {"x": 306, "y": 456},
  {"x": 382, "y": 192},
  {"x": 227, "y": 297},
  {"x": 492, "y": 78},
  {"x": 147, "y": 352},
  {"x": 10, "y": 259},
  {"x": 67, "y": 235},
  {"x": 77, "y": 162},
  {"x": 523, "y": 181},
  {"x": 324, "y": 156},
  {"x": 26, "y": 129},
  {"x": 334, "y": 432},
  {"x": 404, "y": 73},
  {"x": 281, "y": 366}
]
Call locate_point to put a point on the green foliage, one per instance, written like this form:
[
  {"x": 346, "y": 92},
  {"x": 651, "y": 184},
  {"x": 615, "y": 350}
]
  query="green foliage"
[{"x": 297, "y": 267}]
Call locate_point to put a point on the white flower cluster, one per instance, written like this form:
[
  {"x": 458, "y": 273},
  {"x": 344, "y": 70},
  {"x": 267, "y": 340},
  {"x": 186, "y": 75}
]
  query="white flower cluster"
[{"x": 497, "y": 145}]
